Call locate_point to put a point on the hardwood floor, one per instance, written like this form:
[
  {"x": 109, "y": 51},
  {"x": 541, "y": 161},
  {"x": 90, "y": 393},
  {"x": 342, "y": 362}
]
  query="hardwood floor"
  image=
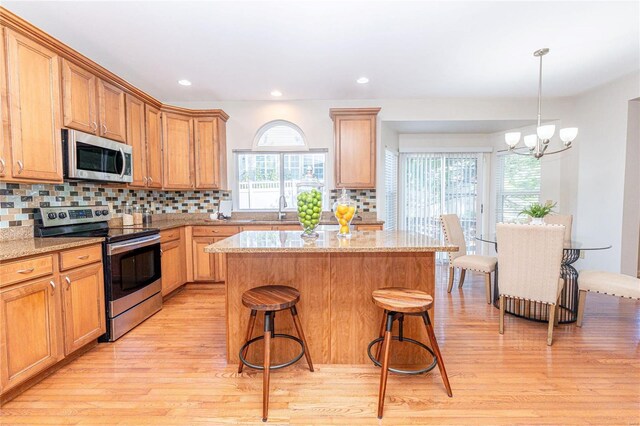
[{"x": 172, "y": 370}]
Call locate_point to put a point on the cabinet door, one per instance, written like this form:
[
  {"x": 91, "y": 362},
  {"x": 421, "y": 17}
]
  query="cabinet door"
[
  {"x": 111, "y": 105},
  {"x": 177, "y": 140},
  {"x": 154, "y": 147},
  {"x": 203, "y": 263},
  {"x": 172, "y": 266},
  {"x": 220, "y": 261},
  {"x": 355, "y": 147},
  {"x": 207, "y": 155},
  {"x": 136, "y": 138},
  {"x": 79, "y": 98},
  {"x": 34, "y": 110},
  {"x": 83, "y": 304},
  {"x": 30, "y": 331},
  {"x": 5, "y": 160}
]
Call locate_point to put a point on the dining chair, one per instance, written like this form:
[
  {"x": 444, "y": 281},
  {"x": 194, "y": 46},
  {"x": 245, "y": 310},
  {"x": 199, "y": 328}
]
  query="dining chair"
[
  {"x": 530, "y": 257},
  {"x": 561, "y": 219},
  {"x": 460, "y": 259},
  {"x": 610, "y": 283}
]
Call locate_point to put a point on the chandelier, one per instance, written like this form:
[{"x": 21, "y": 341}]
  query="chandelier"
[{"x": 539, "y": 142}]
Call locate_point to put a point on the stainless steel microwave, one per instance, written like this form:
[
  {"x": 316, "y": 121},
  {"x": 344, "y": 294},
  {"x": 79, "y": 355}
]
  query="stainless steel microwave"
[{"x": 90, "y": 157}]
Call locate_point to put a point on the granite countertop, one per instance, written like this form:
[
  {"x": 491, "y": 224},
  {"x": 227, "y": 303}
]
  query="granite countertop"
[
  {"x": 30, "y": 246},
  {"x": 328, "y": 242},
  {"x": 163, "y": 224}
]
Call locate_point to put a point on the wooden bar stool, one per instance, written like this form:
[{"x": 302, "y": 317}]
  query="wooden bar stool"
[
  {"x": 398, "y": 302},
  {"x": 270, "y": 299}
]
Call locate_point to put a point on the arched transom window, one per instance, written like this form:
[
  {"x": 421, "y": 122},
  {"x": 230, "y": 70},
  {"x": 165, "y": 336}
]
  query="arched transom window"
[{"x": 280, "y": 135}]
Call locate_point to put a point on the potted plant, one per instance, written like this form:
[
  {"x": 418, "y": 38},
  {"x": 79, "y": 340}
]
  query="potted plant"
[{"x": 538, "y": 211}]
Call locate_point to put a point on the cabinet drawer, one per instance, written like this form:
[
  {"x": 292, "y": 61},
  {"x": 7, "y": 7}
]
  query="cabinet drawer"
[
  {"x": 215, "y": 231},
  {"x": 257, "y": 228},
  {"x": 25, "y": 269},
  {"x": 169, "y": 235},
  {"x": 80, "y": 256}
]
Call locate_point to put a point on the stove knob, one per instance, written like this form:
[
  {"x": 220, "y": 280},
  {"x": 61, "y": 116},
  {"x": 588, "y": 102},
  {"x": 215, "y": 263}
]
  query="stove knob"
[
  {"x": 52, "y": 215},
  {"x": 105, "y": 212},
  {"x": 62, "y": 215},
  {"x": 98, "y": 212}
]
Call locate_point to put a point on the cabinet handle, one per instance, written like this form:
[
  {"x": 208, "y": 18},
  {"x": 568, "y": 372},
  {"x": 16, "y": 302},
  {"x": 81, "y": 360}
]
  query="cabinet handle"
[
  {"x": 150, "y": 180},
  {"x": 3, "y": 164},
  {"x": 161, "y": 252},
  {"x": 53, "y": 286},
  {"x": 84, "y": 256},
  {"x": 144, "y": 180},
  {"x": 20, "y": 167},
  {"x": 94, "y": 126},
  {"x": 25, "y": 271},
  {"x": 68, "y": 281},
  {"x": 104, "y": 129}
]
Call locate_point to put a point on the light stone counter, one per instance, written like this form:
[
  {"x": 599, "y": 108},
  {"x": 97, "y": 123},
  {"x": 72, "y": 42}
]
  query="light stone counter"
[
  {"x": 328, "y": 242},
  {"x": 30, "y": 246}
]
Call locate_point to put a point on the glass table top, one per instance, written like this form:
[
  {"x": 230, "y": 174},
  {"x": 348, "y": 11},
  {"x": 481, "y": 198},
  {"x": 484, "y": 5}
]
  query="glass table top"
[{"x": 573, "y": 245}]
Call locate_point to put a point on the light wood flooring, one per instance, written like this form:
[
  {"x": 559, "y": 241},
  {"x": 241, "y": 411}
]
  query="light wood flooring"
[{"x": 172, "y": 370}]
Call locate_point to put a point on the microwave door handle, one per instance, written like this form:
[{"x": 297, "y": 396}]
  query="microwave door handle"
[{"x": 124, "y": 159}]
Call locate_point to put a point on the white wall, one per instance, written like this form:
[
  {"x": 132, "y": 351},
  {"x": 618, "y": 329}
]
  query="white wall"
[
  {"x": 630, "y": 245},
  {"x": 602, "y": 115}
]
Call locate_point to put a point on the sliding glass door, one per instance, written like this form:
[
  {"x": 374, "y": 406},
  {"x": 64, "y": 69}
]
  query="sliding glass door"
[{"x": 440, "y": 183}]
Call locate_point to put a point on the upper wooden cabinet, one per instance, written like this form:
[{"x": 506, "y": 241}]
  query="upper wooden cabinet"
[
  {"x": 177, "y": 145},
  {"x": 34, "y": 110},
  {"x": 355, "y": 146},
  {"x": 92, "y": 105},
  {"x": 137, "y": 139},
  {"x": 111, "y": 107},
  {"x": 153, "y": 123},
  {"x": 210, "y": 153},
  {"x": 5, "y": 161}
]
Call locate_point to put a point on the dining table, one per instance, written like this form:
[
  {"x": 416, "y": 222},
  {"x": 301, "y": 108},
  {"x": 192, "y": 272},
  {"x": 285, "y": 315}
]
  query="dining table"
[{"x": 538, "y": 311}]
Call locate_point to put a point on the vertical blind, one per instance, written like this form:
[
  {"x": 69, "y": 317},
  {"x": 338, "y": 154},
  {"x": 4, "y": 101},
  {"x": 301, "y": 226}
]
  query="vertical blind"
[
  {"x": 517, "y": 185},
  {"x": 391, "y": 189},
  {"x": 437, "y": 183}
]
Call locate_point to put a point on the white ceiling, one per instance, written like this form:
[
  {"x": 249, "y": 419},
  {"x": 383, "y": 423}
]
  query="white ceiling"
[
  {"x": 242, "y": 50},
  {"x": 457, "y": 126}
]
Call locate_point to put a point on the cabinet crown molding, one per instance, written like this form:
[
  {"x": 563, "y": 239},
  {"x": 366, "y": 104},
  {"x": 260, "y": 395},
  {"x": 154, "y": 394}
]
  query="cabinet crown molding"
[{"x": 342, "y": 112}]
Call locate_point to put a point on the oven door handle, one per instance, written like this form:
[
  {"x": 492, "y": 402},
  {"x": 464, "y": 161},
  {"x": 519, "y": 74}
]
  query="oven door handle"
[{"x": 118, "y": 248}]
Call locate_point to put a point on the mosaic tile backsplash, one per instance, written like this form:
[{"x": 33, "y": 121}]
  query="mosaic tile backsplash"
[
  {"x": 365, "y": 198},
  {"x": 18, "y": 202}
]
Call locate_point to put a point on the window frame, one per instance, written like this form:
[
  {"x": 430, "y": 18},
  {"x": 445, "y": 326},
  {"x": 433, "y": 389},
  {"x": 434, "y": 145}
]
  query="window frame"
[
  {"x": 281, "y": 154},
  {"x": 279, "y": 148}
]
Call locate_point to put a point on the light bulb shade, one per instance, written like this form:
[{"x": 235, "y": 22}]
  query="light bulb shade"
[
  {"x": 512, "y": 138},
  {"x": 530, "y": 141},
  {"x": 568, "y": 134},
  {"x": 546, "y": 132}
]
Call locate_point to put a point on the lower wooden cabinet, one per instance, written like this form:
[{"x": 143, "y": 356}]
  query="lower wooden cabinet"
[
  {"x": 31, "y": 335},
  {"x": 83, "y": 303},
  {"x": 204, "y": 264},
  {"x": 173, "y": 265}
]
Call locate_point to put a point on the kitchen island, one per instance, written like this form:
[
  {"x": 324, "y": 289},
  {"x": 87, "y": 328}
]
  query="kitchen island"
[{"x": 335, "y": 278}]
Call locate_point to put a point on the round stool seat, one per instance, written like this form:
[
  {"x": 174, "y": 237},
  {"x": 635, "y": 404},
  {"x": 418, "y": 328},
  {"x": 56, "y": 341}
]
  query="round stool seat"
[
  {"x": 405, "y": 300},
  {"x": 270, "y": 298}
]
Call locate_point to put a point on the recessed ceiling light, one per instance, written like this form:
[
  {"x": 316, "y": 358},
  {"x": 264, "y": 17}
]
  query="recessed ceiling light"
[
  {"x": 184, "y": 82},
  {"x": 363, "y": 80},
  {"x": 276, "y": 93}
]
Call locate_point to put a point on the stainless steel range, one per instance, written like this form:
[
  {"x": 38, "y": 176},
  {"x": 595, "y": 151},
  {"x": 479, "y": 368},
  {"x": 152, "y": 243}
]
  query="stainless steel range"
[{"x": 131, "y": 262}]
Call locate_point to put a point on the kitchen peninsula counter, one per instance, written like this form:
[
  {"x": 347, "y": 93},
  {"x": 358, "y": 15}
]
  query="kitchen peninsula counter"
[{"x": 335, "y": 278}]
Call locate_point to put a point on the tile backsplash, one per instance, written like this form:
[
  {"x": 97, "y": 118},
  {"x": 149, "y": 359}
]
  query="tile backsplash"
[
  {"x": 365, "y": 198},
  {"x": 18, "y": 202}
]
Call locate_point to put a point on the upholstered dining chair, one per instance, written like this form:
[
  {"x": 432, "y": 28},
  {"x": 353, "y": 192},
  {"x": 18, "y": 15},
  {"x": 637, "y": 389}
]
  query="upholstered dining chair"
[
  {"x": 609, "y": 283},
  {"x": 460, "y": 259},
  {"x": 561, "y": 219},
  {"x": 530, "y": 257}
]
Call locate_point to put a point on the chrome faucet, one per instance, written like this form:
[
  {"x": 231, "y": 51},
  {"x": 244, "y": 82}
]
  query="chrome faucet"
[{"x": 282, "y": 204}]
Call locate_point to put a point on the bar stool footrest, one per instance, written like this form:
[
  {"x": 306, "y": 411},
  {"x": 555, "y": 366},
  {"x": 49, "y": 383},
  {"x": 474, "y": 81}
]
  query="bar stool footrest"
[
  {"x": 400, "y": 371},
  {"x": 278, "y": 366}
]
